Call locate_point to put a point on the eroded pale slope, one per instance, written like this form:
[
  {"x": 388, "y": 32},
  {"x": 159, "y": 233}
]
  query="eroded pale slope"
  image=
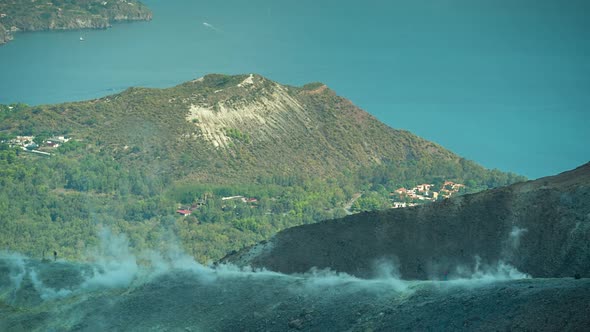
[
  {"x": 273, "y": 113},
  {"x": 222, "y": 128}
]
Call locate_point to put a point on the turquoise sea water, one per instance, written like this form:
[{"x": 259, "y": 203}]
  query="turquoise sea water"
[{"x": 504, "y": 83}]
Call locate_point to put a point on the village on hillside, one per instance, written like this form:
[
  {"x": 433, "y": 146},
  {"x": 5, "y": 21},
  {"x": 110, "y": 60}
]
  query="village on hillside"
[
  {"x": 30, "y": 144},
  {"x": 188, "y": 210},
  {"x": 400, "y": 198},
  {"x": 423, "y": 193}
]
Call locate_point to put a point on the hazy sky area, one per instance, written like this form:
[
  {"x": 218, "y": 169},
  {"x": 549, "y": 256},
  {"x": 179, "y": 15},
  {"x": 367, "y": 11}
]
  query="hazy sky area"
[{"x": 504, "y": 83}]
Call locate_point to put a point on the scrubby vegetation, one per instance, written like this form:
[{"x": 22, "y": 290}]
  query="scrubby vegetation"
[{"x": 135, "y": 159}]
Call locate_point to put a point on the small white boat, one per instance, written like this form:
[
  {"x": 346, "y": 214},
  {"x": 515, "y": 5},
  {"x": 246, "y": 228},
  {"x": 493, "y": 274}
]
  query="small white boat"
[{"x": 81, "y": 38}]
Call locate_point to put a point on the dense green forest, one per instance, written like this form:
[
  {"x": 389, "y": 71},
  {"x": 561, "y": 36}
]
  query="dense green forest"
[
  {"x": 129, "y": 165},
  {"x": 57, "y": 203}
]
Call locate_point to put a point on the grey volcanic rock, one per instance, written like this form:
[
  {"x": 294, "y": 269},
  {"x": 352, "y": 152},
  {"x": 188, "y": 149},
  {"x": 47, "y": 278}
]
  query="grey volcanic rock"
[
  {"x": 218, "y": 300},
  {"x": 541, "y": 227}
]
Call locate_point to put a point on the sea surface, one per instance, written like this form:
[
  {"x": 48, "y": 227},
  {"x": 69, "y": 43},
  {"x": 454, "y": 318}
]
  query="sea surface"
[{"x": 504, "y": 83}]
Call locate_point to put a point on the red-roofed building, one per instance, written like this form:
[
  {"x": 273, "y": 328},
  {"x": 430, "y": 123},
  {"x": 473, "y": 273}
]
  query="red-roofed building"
[
  {"x": 184, "y": 212},
  {"x": 401, "y": 191},
  {"x": 424, "y": 187}
]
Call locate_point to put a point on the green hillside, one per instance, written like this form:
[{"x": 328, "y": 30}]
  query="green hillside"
[{"x": 292, "y": 155}]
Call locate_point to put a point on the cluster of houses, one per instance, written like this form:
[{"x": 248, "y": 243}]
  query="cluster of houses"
[
  {"x": 27, "y": 143},
  {"x": 424, "y": 192},
  {"x": 449, "y": 188},
  {"x": 187, "y": 211},
  {"x": 241, "y": 198}
]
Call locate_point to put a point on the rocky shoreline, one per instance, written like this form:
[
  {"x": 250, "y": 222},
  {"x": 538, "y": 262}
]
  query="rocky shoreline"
[
  {"x": 95, "y": 15},
  {"x": 5, "y": 35}
]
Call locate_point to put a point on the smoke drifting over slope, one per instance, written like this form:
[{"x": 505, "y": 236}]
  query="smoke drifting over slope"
[
  {"x": 540, "y": 227},
  {"x": 126, "y": 290},
  {"x": 447, "y": 266},
  {"x": 115, "y": 266}
]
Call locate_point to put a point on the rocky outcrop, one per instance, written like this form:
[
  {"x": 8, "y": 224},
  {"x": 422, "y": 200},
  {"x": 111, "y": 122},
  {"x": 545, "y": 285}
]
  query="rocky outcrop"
[
  {"x": 5, "y": 35},
  {"x": 540, "y": 227}
]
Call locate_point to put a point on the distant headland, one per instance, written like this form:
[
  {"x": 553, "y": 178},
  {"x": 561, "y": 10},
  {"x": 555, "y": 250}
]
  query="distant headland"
[{"x": 36, "y": 15}]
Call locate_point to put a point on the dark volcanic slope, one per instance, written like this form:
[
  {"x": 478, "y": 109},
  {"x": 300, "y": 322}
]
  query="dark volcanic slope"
[
  {"x": 218, "y": 300},
  {"x": 541, "y": 227}
]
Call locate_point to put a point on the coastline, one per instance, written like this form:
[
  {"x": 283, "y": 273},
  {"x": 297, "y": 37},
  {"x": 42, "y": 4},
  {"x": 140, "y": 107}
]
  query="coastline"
[{"x": 56, "y": 19}]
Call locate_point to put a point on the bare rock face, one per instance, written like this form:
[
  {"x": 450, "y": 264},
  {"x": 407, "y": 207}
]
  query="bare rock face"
[
  {"x": 540, "y": 227},
  {"x": 220, "y": 128},
  {"x": 5, "y": 35},
  {"x": 273, "y": 113}
]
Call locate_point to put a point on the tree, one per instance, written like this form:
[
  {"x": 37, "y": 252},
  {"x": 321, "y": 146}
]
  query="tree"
[{"x": 41, "y": 138}]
